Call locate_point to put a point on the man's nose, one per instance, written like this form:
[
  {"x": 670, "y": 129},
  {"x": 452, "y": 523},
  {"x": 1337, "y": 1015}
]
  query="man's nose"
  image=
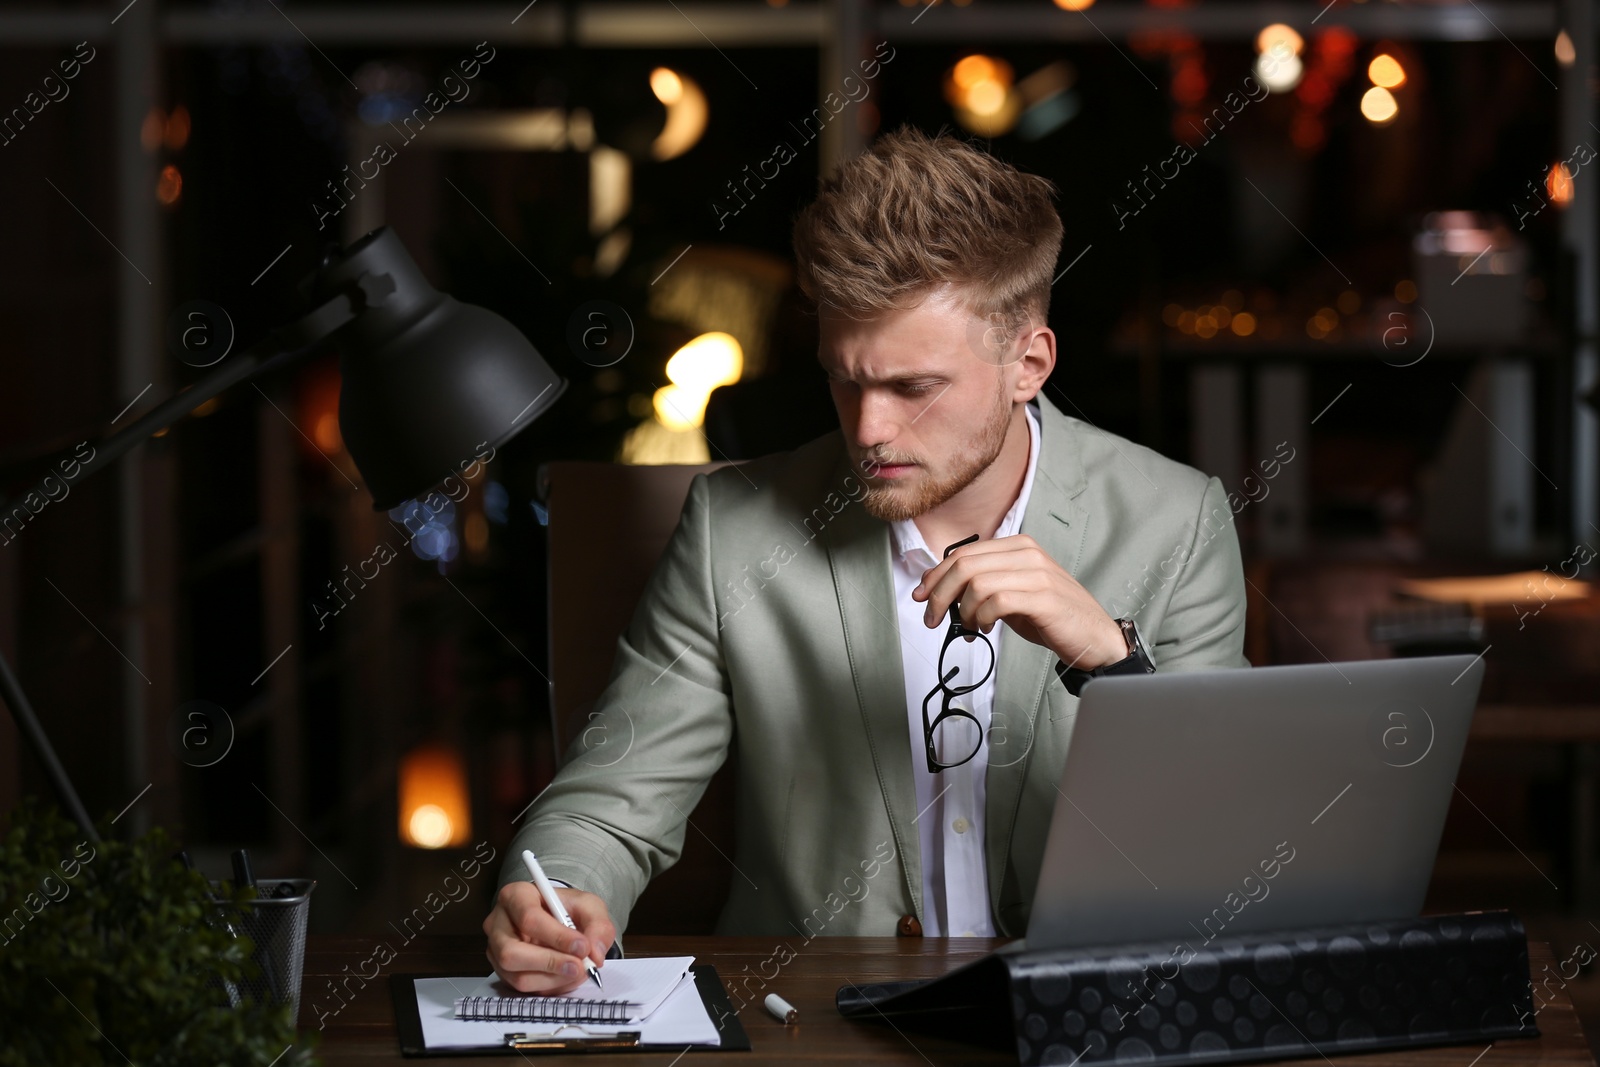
[{"x": 875, "y": 421}]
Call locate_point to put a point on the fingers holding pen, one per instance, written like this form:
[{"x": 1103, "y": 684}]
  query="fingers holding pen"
[
  {"x": 529, "y": 948},
  {"x": 589, "y": 914}
]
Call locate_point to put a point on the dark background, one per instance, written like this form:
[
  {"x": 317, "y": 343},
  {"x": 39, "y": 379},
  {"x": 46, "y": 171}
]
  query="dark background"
[{"x": 246, "y": 514}]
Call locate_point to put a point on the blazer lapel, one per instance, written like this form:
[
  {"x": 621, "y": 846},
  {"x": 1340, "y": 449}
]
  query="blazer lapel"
[
  {"x": 858, "y": 554},
  {"x": 1055, "y": 519}
]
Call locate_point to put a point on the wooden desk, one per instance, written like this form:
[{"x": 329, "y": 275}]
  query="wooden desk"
[{"x": 363, "y": 1031}]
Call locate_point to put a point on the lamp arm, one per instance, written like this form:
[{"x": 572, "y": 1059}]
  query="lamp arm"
[
  {"x": 22, "y": 712},
  {"x": 284, "y": 346}
]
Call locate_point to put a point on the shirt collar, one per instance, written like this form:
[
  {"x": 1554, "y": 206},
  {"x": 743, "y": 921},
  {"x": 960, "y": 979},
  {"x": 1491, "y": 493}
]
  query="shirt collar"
[{"x": 908, "y": 538}]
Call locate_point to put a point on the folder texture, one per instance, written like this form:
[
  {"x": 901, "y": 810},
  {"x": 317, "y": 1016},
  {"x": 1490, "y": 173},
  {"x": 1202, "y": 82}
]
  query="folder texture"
[{"x": 1321, "y": 991}]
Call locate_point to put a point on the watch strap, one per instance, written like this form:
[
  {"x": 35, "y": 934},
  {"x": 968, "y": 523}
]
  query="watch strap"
[{"x": 1136, "y": 662}]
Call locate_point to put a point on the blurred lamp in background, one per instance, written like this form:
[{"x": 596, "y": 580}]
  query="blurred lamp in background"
[
  {"x": 710, "y": 360},
  {"x": 1378, "y": 104},
  {"x": 1278, "y": 65},
  {"x": 687, "y": 113},
  {"x": 434, "y": 809},
  {"x": 673, "y": 434},
  {"x": 1566, "y": 53},
  {"x": 978, "y": 89}
]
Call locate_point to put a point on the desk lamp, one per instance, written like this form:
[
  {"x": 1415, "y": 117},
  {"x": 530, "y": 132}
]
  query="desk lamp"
[{"x": 426, "y": 382}]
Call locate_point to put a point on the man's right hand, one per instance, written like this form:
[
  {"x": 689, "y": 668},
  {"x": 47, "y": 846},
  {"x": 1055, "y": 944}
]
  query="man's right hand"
[{"x": 533, "y": 951}]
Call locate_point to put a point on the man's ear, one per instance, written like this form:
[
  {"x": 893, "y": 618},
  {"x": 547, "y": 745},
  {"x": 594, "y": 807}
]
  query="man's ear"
[{"x": 1037, "y": 361}]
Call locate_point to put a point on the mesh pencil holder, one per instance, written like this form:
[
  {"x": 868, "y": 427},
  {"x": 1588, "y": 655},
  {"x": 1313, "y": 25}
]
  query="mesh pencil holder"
[{"x": 276, "y": 925}]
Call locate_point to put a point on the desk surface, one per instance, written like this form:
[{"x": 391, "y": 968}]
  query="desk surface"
[{"x": 362, "y": 1032}]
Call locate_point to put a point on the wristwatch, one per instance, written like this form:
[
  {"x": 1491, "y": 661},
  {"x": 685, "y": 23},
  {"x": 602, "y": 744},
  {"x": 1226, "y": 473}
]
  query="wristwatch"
[{"x": 1137, "y": 662}]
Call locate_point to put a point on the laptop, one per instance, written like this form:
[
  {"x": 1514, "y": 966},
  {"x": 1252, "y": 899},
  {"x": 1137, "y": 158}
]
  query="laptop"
[{"x": 1205, "y": 804}]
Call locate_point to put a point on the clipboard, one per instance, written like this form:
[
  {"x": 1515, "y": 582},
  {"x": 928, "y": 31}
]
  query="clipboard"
[{"x": 408, "y": 1024}]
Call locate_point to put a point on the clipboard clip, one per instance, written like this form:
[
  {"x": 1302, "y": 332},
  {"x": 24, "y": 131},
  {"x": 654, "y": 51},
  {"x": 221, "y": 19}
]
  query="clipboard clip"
[{"x": 556, "y": 1041}]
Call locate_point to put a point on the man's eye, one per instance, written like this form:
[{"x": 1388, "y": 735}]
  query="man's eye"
[{"x": 915, "y": 388}]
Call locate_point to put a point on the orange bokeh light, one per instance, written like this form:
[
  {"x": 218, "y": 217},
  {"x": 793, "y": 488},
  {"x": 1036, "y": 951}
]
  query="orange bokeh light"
[
  {"x": 177, "y": 129},
  {"x": 169, "y": 187},
  {"x": 1189, "y": 82},
  {"x": 434, "y": 809},
  {"x": 1558, "y": 183},
  {"x": 1385, "y": 70}
]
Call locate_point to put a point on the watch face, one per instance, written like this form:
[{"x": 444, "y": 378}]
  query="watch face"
[
  {"x": 1137, "y": 662},
  {"x": 1130, "y": 633}
]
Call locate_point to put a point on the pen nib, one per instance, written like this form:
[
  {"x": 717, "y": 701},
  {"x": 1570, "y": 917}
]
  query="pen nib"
[{"x": 594, "y": 973}]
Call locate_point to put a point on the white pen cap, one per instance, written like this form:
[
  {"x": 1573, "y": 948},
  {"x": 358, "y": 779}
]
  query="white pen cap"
[{"x": 781, "y": 1009}]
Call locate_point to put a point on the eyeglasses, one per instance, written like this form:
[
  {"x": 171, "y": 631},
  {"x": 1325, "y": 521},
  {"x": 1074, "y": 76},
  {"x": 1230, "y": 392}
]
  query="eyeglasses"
[{"x": 958, "y": 737}]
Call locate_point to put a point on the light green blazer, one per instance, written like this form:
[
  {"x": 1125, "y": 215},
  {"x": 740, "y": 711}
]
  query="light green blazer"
[{"x": 769, "y": 624}]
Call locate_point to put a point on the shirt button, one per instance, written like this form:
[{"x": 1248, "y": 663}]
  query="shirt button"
[{"x": 960, "y": 826}]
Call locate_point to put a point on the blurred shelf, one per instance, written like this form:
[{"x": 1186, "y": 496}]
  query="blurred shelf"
[
  {"x": 746, "y": 23},
  {"x": 1181, "y": 347}
]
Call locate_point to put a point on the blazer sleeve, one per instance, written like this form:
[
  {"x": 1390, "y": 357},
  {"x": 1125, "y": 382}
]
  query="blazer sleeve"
[
  {"x": 616, "y": 813},
  {"x": 1204, "y": 622}
]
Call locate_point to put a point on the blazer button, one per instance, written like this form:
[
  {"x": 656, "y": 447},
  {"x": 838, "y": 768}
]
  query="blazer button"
[{"x": 908, "y": 926}]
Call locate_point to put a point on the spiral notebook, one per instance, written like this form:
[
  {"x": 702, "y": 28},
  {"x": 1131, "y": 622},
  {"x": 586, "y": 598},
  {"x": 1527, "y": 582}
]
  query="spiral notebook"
[{"x": 634, "y": 988}]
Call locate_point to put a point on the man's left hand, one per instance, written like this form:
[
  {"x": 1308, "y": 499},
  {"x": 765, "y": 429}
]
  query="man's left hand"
[{"x": 1013, "y": 579}]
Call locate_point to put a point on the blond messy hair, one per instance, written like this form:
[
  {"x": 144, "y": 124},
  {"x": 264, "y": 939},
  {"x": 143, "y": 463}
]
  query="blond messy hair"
[{"x": 914, "y": 213}]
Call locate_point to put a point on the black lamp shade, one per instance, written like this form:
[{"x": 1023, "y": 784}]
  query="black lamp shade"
[{"x": 429, "y": 383}]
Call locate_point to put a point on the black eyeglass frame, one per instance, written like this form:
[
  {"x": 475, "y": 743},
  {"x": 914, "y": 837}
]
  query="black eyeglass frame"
[{"x": 956, "y": 629}]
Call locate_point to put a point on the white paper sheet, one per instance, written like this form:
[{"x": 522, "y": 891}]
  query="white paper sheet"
[{"x": 681, "y": 1019}]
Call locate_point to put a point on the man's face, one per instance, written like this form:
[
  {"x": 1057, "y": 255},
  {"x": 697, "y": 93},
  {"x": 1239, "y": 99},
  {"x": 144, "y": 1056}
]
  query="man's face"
[{"x": 923, "y": 413}]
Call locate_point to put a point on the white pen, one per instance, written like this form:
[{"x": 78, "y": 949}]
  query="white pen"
[{"x": 553, "y": 902}]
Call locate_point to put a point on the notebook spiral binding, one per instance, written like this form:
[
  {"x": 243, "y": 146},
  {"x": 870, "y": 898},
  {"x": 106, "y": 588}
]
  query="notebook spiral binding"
[{"x": 542, "y": 1009}]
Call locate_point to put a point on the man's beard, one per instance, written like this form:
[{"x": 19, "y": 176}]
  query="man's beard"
[{"x": 893, "y": 501}]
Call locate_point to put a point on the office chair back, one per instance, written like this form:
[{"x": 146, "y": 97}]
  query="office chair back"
[{"x": 608, "y": 525}]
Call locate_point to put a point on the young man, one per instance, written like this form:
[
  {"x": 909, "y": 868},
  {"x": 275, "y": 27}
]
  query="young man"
[{"x": 893, "y": 775}]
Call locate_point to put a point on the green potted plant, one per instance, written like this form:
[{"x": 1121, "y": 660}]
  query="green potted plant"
[{"x": 107, "y": 957}]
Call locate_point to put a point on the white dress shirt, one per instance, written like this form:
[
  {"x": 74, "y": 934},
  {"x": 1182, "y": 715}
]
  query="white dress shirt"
[{"x": 950, "y": 804}]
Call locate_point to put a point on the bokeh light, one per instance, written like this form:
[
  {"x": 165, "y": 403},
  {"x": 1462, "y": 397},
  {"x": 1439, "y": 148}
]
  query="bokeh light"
[
  {"x": 1378, "y": 106},
  {"x": 667, "y": 86},
  {"x": 710, "y": 360},
  {"x": 1276, "y": 33},
  {"x": 430, "y": 826},
  {"x": 1558, "y": 184},
  {"x": 1385, "y": 70},
  {"x": 169, "y": 187},
  {"x": 435, "y": 809},
  {"x": 176, "y": 134},
  {"x": 1279, "y": 70},
  {"x": 1566, "y": 54}
]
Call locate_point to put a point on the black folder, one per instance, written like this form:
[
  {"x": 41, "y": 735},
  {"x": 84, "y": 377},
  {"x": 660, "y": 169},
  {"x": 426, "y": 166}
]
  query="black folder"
[
  {"x": 712, "y": 994},
  {"x": 1440, "y": 980}
]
